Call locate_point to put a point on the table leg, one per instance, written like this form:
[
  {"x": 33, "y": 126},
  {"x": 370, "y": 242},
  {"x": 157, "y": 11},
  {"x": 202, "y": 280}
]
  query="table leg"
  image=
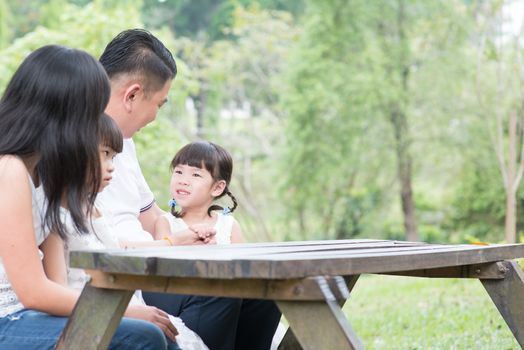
[
  {"x": 508, "y": 296},
  {"x": 95, "y": 318},
  {"x": 290, "y": 342},
  {"x": 320, "y": 325}
]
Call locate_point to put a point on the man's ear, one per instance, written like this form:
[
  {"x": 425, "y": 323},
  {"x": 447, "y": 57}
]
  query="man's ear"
[
  {"x": 130, "y": 95},
  {"x": 218, "y": 188}
]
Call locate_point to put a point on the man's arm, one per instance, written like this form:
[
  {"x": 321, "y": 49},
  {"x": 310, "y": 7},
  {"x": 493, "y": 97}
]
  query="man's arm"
[{"x": 148, "y": 218}]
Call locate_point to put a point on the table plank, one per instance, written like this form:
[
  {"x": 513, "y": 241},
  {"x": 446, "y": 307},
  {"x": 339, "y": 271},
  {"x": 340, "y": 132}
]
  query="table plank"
[{"x": 245, "y": 262}]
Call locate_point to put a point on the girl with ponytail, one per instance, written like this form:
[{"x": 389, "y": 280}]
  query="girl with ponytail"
[{"x": 201, "y": 175}]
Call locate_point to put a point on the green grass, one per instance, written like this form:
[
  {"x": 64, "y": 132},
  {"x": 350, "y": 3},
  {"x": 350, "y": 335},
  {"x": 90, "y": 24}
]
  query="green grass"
[{"x": 389, "y": 312}]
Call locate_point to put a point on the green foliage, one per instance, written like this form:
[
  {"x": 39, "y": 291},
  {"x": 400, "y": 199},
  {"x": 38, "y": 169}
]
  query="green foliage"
[
  {"x": 314, "y": 157},
  {"x": 208, "y": 19},
  {"x": 97, "y": 24},
  {"x": 344, "y": 78},
  {"x": 479, "y": 205},
  {"x": 355, "y": 206},
  {"x": 5, "y": 23}
]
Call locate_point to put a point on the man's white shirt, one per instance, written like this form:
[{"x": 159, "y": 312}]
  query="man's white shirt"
[{"x": 127, "y": 195}]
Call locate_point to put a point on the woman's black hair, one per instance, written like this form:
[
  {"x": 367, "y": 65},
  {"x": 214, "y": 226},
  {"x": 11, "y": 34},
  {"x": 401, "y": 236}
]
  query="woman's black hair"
[
  {"x": 51, "y": 109},
  {"x": 110, "y": 134},
  {"x": 213, "y": 158}
]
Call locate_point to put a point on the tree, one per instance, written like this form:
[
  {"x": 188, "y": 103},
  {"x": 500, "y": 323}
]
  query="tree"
[
  {"x": 206, "y": 20},
  {"x": 500, "y": 58},
  {"x": 357, "y": 89}
]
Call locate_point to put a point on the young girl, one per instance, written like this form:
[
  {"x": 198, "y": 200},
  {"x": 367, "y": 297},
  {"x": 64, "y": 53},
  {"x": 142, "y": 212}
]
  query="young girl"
[
  {"x": 101, "y": 236},
  {"x": 49, "y": 116},
  {"x": 201, "y": 174}
]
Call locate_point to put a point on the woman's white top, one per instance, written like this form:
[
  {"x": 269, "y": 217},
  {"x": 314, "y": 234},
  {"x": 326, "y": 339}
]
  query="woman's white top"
[
  {"x": 9, "y": 302},
  {"x": 223, "y": 226}
]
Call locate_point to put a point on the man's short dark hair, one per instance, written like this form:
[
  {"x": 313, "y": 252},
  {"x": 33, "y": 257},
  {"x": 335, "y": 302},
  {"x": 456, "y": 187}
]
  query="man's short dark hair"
[{"x": 137, "y": 51}]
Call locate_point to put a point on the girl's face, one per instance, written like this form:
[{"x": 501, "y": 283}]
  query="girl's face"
[
  {"x": 193, "y": 187},
  {"x": 107, "y": 154}
]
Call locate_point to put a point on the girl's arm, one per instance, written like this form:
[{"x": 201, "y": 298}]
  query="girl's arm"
[
  {"x": 185, "y": 237},
  {"x": 54, "y": 259},
  {"x": 18, "y": 247},
  {"x": 236, "y": 233}
]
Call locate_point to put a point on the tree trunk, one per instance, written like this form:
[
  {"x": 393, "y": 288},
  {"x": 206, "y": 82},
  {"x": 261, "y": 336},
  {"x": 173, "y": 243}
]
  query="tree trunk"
[
  {"x": 399, "y": 121},
  {"x": 511, "y": 217},
  {"x": 408, "y": 204},
  {"x": 511, "y": 186},
  {"x": 400, "y": 127}
]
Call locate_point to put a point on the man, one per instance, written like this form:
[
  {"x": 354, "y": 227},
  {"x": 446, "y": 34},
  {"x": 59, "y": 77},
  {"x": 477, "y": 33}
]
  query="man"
[{"x": 141, "y": 70}]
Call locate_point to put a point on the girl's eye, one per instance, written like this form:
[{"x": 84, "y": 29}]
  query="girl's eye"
[
  {"x": 178, "y": 172},
  {"x": 197, "y": 175}
]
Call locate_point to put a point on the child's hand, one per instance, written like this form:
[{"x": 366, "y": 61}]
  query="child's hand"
[
  {"x": 204, "y": 232},
  {"x": 210, "y": 240},
  {"x": 154, "y": 315}
]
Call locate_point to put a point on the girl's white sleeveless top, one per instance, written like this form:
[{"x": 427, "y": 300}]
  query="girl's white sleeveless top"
[
  {"x": 223, "y": 226},
  {"x": 99, "y": 237},
  {"x": 9, "y": 302}
]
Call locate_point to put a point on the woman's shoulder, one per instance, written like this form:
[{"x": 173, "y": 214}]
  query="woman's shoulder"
[
  {"x": 12, "y": 161},
  {"x": 13, "y": 168}
]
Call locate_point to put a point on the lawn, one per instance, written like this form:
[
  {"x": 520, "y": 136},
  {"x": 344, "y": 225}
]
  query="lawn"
[{"x": 390, "y": 312}]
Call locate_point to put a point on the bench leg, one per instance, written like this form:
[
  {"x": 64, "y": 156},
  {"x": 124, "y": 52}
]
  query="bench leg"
[
  {"x": 508, "y": 296},
  {"x": 290, "y": 342},
  {"x": 97, "y": 313}
]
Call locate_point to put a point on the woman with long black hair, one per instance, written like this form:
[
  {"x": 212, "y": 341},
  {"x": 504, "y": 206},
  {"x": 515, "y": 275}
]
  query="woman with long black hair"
[{"x": 49, "y": 117}]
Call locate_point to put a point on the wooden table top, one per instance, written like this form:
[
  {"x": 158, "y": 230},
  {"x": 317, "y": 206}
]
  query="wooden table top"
[{"x": 297, "y": 259}]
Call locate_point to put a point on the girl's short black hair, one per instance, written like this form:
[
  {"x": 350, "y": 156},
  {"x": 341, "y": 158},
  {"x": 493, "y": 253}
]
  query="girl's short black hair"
[
  {"x": 51, "y": 109},
  {"x": 110, "y": 134},
  {"x": 213, "y": 158}
]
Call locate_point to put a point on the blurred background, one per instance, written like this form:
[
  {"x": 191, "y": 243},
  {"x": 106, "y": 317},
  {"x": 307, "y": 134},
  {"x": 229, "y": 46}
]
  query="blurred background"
[{"x": 398, "y": 119}]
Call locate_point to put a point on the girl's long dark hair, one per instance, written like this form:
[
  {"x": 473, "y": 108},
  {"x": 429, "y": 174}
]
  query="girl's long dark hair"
[{"x": 50, "y": 109}]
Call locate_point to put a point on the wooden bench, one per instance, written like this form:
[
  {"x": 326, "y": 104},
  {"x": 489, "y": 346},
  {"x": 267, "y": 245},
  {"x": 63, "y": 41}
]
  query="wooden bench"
[{"x": 309, "y": 281}]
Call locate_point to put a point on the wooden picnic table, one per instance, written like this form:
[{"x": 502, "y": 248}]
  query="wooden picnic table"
[{"x": 309, "y": 280}]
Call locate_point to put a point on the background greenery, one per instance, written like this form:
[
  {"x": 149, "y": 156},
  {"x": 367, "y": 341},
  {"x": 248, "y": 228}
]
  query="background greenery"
[
  {"x": 328, "y": 107},
  {"x": 332, "y": 110}
]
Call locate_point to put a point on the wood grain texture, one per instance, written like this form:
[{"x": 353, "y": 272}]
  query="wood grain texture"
[
  {"x": 292, "y": 289},
  {"x": 297, "y": 260},
  {"x": 508, "y": 296},
  {"x": 305, "y": 278},
  {"x": 95, "y": 319}
]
